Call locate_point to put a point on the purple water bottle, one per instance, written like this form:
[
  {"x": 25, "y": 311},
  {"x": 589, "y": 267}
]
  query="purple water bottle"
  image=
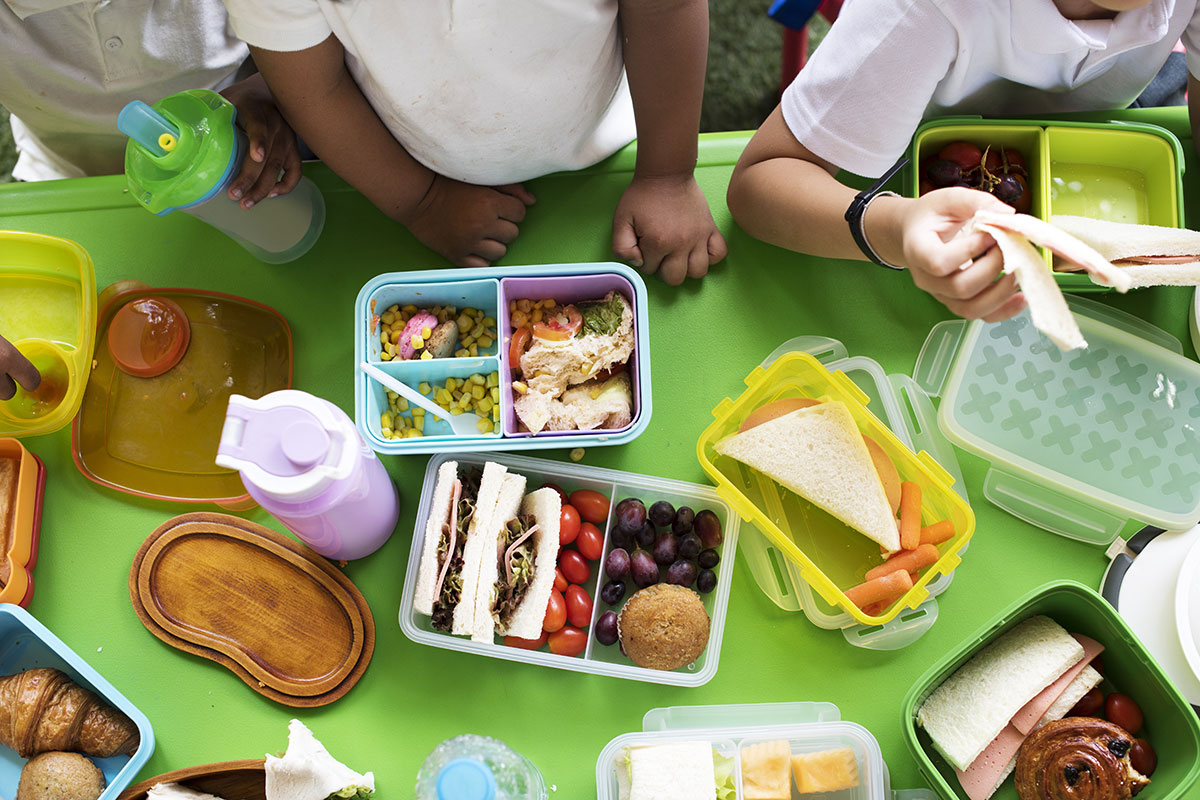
[{"x": 303, "y": 460}]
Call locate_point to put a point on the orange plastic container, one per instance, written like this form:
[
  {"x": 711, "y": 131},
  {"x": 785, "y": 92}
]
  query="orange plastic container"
[{"x": 22, "y": 486}]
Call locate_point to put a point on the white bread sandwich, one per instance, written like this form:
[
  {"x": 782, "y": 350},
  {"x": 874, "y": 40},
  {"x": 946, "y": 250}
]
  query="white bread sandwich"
[
  {"x": 674, "y": 771},
  {"x": 1151, "y": 255},
  {"x": 508, "y": 503},
  {"x": 818, "y": 453},
  {"x": 308, "y": 772}
]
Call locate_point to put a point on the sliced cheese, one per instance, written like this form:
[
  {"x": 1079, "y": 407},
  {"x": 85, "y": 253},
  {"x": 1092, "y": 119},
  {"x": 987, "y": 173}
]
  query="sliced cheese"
[
  {"x": 826, "y": 771},
  {"x": 765, "y": 771},
  {"x": 672, "y": 771}
]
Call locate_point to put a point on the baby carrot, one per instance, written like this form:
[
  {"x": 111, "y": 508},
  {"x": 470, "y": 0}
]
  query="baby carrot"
[
  {"x": 907, "y": 560},
  {"x": 910, "y": 515},
  {"x": 938, "y": 532},
  {"x": 873, "y": 591}
]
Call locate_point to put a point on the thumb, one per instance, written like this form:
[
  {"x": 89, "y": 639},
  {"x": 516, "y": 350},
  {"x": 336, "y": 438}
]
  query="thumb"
[{"x": 625, "y": 242}]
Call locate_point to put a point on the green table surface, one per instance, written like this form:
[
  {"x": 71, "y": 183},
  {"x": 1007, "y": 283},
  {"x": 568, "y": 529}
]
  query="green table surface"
[{"x": 707, "y": 336}]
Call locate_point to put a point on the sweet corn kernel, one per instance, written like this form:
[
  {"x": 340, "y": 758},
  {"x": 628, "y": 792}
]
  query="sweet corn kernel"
[
  {"x": 467, "y": 340},
  {"x": 524, "y": 305},
  {"x": 391, "y": 396},
  {"x": 520, "y": 319},
  {"x": 385, "y": 356},
  {"x": 577, "y": 454},
  {"x": 537, "y": 315},
  {"x": 495, "y": 394},
  {"x": 456, "y": 411},
  {"x": 443, "y": 397},
  {"x": 496, "y": 413},
  {"x": 426, "y": 332},
  {"x": 395, "y": 335},
  {"x": 402, "y": 403},
  {"x": 388, "y": 317},
  {"x": 453, "y": 383},
  {"x": 548, "y": 304},
  {"x": 478, "y": 379},
  {"x": 461, "y": 353},
  {"x": 383, "y": 337},
  {"x": 385, "y": 420},
  {"x": 484, "y": 426},
  {"x": 465, "y": 401},
  {"x": 463, "y": 322},
  {"x": 410, "y": 309},
  {"x": 394, "y": 308},
  {"x": 417, "y": 341},
  {"x": 493, "y": 379},
  {"x": 512, "y": 306},
  {"x": 474, "y": 349},
  {"x": 426, "y": 356},
  {"x": 489, "y": 322},
  {"x": 485, "y": 342},
  {"x": 390, "y": 349},
  {"x": 485, "y": 405},
  {"x": 477, "y": 392},
  {"x": 424, "y": 388},
  {"x": 412, "y": 433},
  {"x": 520, "y": 387},
  {"x": 387, "y": 433},
  {"x": 418, "y": 412},
  {"x": 419, "y": 423}
]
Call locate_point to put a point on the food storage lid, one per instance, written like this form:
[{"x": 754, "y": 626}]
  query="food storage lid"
[
  {"x": 148, "y": 336},
  {"x": 288, "y": 444},
  {"x": 1079, "y": 442},
  {"x": 466, "y": 779}
]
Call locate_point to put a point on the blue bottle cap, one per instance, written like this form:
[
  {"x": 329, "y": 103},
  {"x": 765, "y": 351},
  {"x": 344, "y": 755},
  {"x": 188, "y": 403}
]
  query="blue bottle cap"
[{"x": 466, "y": 779}]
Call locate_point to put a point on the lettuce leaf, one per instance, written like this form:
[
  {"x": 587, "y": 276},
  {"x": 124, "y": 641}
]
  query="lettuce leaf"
[{"x": 723, "y": 772}]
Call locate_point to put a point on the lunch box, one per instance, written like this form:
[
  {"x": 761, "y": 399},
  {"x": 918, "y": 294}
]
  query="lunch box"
[
  {"x": 597, "y": 659},
  {"x": 822, "y": 552},
  {"x": 1116, "y": 171},
  {"x": 808, "y": 727},
  {"x": 21, "y": 528},
  {"x": 1171, "y": 726},
  {"x": 24, "y": 644},
  {"x": 1082, "y": 442},
  {"x": 48, "y": 312},
  {"x": 490, "y": 290}
]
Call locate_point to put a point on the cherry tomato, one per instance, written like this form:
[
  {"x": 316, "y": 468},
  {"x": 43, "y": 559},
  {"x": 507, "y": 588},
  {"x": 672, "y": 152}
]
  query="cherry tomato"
[
  {"x": 556, "y": 612},
  {"x": 1088, "y": 705},
  {"x": 562, "y": 494},
  {"x": 579, "y": 606},
  {"x": 526, "y": 644},
  {"x": 1143, "y": 757},
  {"x": 592, "y": 506},
  {"x": 965, "y": 154},
  {"x": 560, "y": 582},
  {"x": 561, "y": 326},
  {"x": 574, "y": 566},
  {"x": 568, "y": 641},
  {"x": 568, "y": 525},
  {"x": 1121, "y": 710},
  {"x": 517, "y": 347},
  {"x": 1026, "y": 199},
  {"x": 590, "y": 541}
]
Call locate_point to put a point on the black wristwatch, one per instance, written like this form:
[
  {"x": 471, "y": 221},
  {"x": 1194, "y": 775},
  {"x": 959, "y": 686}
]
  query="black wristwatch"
[{"x": 854, "y": 214}]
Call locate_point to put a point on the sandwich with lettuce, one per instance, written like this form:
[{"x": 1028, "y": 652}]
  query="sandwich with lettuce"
[{"x": 674, "y": 771}]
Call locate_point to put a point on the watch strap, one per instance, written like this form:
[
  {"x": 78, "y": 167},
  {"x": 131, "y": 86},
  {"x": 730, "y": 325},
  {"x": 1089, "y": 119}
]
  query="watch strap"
[{"x": 858, "y": 208}]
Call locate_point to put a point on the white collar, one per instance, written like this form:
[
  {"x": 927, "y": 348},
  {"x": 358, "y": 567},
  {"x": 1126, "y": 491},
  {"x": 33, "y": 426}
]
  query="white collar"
[
  {"x": 1039, "y": 27},
  {"x": 27, "y": 8}
]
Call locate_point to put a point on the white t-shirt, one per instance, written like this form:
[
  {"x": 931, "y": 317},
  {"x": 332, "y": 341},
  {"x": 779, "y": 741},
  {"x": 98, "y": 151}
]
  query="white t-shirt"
[
  {"x": 68, "y": 68},
  {"x": 484, "y": 91},
  {"x": 887, "y": 64}
]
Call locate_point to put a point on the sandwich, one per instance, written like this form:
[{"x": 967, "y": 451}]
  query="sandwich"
[
  {"x": 517, "y": 572},
  {"x": 1150, "y": 255},
  {"x": 818, "y": 453},
  {"x": 308, "y": 772},
  {"x": 592, "y": 405},
  {"x": 674, "y": 771}
]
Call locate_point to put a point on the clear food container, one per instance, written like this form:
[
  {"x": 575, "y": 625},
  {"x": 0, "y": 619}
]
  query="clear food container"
[
  {"x": 808, "y": 727},
  {"x": 490, "y": 290},
  {"x": 616, "y": 485}
]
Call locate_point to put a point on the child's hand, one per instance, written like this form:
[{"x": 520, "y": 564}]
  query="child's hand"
[
  {"x": 468, "y": 224},
  {"x": 959, "y": 270},
  {"x": 272, "y": 144},
  {"x": 15, "y": 367},
  {"x": 664, "y": 225}
]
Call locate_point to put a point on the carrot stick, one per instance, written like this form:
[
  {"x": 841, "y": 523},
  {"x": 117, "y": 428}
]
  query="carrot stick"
[
  {"x": 880, "y": 589},
  {"x": 938, "y": 532},
  {"x": 875, "y": 609},
  {"x": 910, "y": 515},
  {"x": 907, "y": 560}
]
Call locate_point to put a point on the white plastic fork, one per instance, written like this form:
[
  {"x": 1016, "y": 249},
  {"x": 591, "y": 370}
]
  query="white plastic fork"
[{"x": 464, "y": 424}]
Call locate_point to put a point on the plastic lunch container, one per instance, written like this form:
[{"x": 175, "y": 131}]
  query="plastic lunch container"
[
  {"x": 21, "y": 528},
  {"x": 1080, "y": 443},
  {"x": 1171, "y": 726},
  {"x": 48, "y": 312},
  {"x": 24, "y": 644},
  {"x": 1120, "y": 172},
  {"x": 809, "y": 727},
  {"x": 828, "y": 555},
  {"x": 490, "y": 290},
  {"x": 597, "y": 658}
]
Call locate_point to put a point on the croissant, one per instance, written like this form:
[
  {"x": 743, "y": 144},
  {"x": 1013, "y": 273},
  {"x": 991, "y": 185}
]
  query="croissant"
[{"x": 43, "y": 710}]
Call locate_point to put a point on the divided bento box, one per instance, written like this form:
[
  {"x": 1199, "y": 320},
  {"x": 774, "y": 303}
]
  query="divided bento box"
[
  {"x": 908, "y": 412},
  {"x": 1080, "y": 443},
  {"x": 1171, "y": 727},
  {"x": 491, "y": 291},
  {"x": 597, "y": 658},
  {"x": 25, "y": 644},
  {"x": 825, "y": 553},
  {"x": 807, "y": 727},
  {"x": 1119, "y": 172}
]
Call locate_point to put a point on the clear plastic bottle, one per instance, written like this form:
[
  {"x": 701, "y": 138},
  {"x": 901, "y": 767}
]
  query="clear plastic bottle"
[{"x": 473, "y": 767}]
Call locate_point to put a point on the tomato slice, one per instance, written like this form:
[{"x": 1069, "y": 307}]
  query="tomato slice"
[
  {"x": 517, "y": 347},
  {"x": 560, "y": 327}
]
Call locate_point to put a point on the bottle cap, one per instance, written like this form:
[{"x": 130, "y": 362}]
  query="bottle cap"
[
  {"x": 466, "y": 779},
  {"x": 148, "y": 336}
]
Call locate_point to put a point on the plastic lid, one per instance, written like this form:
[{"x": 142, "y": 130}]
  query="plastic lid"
[
  {"x": 196, "y": 165},
  {"x": 148, "y": 336},
  {"x": 466, "y": 779}
]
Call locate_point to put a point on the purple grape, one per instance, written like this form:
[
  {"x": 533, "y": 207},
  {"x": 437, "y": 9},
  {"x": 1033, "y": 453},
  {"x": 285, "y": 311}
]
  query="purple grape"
[
  {"x": 683, "y": 520},
  {"x": 646, "y": 536},
  {"x": 1008, "y": 189},
  {"x": 623, "y": 539},
  {"x": 666, "y": 549},
  {"x": 613, "y": 592},
  {"x": 682, "y": 573},
  {"x": 708, "y": 527},
  {"x": 706, "y": 581},
  {"x": 606, "y": 628},
  {"x": 631, "y": 514},
  {"x": 662, "y": 513},
  {"x": 616, "y": 566},
  {"x": 708, "y": 559},
  {"x": 689, "y": 546},
  {"x": 643, "y": 569},
  {"x": 941, "y": 172}
]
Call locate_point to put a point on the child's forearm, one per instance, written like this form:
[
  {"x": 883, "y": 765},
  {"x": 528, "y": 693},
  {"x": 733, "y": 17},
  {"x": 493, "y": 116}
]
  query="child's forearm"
[
  {"x": 326, "y": 108},
  {"x": 665, "y": 51},
  {"x": 1193, "y": 102}
]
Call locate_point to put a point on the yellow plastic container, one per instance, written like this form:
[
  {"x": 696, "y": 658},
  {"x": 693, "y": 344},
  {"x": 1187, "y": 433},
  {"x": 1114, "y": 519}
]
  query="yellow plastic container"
[
  {"x": 48, "y": 311},
  {"x": 831, "y": 556}
]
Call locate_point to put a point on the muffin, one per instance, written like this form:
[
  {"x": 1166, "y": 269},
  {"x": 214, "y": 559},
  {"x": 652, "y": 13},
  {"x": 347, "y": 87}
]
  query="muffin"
[
  {"x": 60, "y": 776},
  {"x": 663, "y": 627}
]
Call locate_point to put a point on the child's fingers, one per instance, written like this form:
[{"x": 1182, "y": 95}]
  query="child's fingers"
[
  {"x": 490, "y": 249},
  {"x": 697, "y": 263},
  {"x": 625, "y": 243},
  {"x": 510, "y": 207},
  {"x": 965, "y": 284},
  {"x": 252, "y": 122},
  {"x": 673, "y": 268},
  {"x": 717, "y": 248},
  {"x": 518, "y": 191},
  {"x": 944, "y": 258},
  {"x": 292, "y": 171},
  {"x": 1014, "y": 305},
  {"x": 20, "y": 368},
  {"x": 504, "y": 231},
  {"x": 7, "y": 387},
  {"x": 473, "y": 261},
  {"x": 266, "y": 181},
  {"x": 986, "y": 302}
]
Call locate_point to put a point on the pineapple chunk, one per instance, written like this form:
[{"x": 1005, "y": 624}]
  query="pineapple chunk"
[
  {"x": 826, "y": 771},
  {"x": 765, "y": 771}
]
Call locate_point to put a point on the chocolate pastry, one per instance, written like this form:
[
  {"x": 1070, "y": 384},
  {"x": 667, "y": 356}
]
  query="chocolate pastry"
[{"x": 1077, "y": 758}]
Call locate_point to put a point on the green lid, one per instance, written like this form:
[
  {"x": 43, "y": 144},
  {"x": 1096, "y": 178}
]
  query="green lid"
[{"x": 198, "y": 163}]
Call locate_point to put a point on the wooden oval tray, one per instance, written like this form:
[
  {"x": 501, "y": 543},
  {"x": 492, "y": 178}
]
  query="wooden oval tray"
[
  {"x": 280, "y": 617},
  {"x": 235, "y": 780}
]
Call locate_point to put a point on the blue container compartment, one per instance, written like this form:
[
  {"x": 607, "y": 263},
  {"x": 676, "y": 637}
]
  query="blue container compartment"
[
  {"x": 479, "y": 294},
  {"x": 432, "y": 371}
]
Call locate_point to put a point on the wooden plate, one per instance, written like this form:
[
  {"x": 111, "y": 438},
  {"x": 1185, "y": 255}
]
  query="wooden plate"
[
  {"x": 233, "y": 780},
  {"x": 280, "y": 617}
]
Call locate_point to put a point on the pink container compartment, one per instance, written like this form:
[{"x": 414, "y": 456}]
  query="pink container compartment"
[{"x": 563, "y": 289}]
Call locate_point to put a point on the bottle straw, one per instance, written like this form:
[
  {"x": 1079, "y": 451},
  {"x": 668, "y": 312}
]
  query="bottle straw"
[{"x": 148, "y": 128}]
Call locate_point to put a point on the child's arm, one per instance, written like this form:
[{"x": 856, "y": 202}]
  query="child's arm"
[
  {"x": 272, "y": 144},
  {"x": 470, "y": 225},
  {"x": 663, "y": 221},
  {"x": 1193, "y": 102},
  {"x": 15, "y": 367},
  {"x": 782, "y": 193}
]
